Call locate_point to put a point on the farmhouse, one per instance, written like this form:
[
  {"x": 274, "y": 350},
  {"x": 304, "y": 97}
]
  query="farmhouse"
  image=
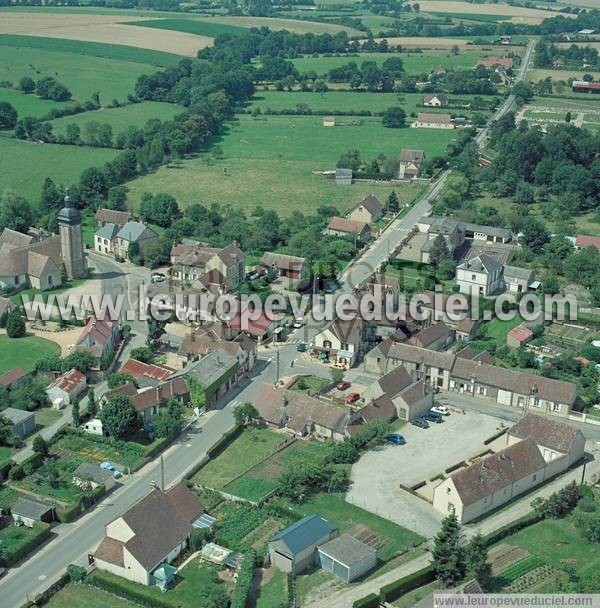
[
  {"x": 217, "y": 268},
  {"x": 582, "y": 86},
  {"x": 294, "y": 549},
  {"x": 410, "y": 163},
  {"x": 340, "y": 226},
  {"x": 23, "y": 422},
  {"x": 433, "y": 121},
  {"x": 105, "y": 239},
  {"x": 110, "y": 216},
  {"x": 149, "y": 535},
  {"x": 481, "y": 274},
  {"x": 517, "y": 279},
  {"x": 26, "y": 262},
  {"x": 582, "y": 241},
  {"x": 133, "y": 233},
  {"x": 66, "y": 388},
  {"x": 286, "y": 266},
  {"x": 435, "y": 100},
  {"x": 369, "y": 210},
  {"x": 300, "y": 414}
]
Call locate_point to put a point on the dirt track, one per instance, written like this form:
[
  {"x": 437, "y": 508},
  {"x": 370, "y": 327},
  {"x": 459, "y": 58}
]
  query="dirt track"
[{"x": 110, "y": 29}]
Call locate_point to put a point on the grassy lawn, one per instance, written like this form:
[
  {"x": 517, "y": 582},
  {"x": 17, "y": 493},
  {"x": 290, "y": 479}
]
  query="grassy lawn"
[
  {"x": 334, "y": 507},
  {"x": 496, "y": 329},
  {"x": 14, "y": 538},
  {"x": 23, "y": 352},
  {"x": 414, "y": 63},
  {"x": 262, "y": 479},
  {"x": 85, "y": 596},
  {"x": 45, "y": 417},
  {"x": 136, "y": 114},
  {"x": 250, "y": 447},
  {"x": 30, "y": 293},
  {"x": 187, "y": 591},
  {"x": 312, "y": 384},
  {"x": 29, "y": 105},
  {"x": 272, "y": 593},
  {"x": 24, "y": 165}
]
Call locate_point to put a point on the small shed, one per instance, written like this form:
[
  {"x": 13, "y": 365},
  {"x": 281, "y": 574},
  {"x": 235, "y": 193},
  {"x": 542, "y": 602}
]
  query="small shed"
[
  {"x": 329, "y": 121},
  {"x": 90, "y": 476},
  {"x": 343, "y": 177},
  {"x": 26, "y": 512},
  {"x": 519, "y": 336},
  {"x": 347, "y": 557},
  {"x": 23, "y": 422}
]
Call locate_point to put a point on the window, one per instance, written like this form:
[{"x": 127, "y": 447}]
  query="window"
[
  {"x": 16, "y": 279},
  {"x": 448, "y": 490},
  {"x": 49, "y": 279},
  {"x": 556, "y": 407},
  {"x": 534, "y": 478},
  {"x": 326, "y": 343},
  {"x": 451, "y": 508},
  {"x": 473, "y": 277}
]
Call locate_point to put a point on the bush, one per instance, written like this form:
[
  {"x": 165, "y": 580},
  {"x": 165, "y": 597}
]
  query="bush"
[
  {"x": 16, "y": 473},
  {"x": 392, "y": 591},
  {"x": 76, "y": 573},
  {"x": 513, "y": 527},
  {"x": 40, "y": 533},
  {"x": 370, "y": 601}
]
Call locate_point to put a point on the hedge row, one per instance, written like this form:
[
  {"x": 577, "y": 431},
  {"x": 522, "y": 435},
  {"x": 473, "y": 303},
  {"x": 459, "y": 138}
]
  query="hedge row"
[
  {"x": 513, "y": 527},
  {"x": 42, "y": 533},
  {"x": 244, "y": 582},
  {"x": 369, "y": 601},
  {"x": 395, "y": 590},
  {"x": 227, "y": 438},
  {"x": 136, "y": 597}
]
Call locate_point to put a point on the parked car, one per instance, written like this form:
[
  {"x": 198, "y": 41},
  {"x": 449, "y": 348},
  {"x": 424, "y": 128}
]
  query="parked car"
[
  {"x": 420, "y": 422},
  {"x": 253, "y": 276},
  {"x": 433, "y": 417},
  {"x": 440, "y": 409},
  {"x": 298, "y": 323},
  {"x": 339, "y": 365},
  {"x": 109, "y": 466},
  {"x": 157, "y": 277},
  {"x": 352, "y": 398},
  {"x": 302, "y": 347},
  {"x": 342, "y": 385},
  {"x": 396, "y": 439}
]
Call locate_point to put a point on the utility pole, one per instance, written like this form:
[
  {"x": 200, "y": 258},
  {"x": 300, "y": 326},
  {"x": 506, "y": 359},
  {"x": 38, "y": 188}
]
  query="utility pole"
[{"x": 277, "y": 368}]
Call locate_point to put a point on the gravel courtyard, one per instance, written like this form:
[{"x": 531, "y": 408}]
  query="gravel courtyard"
[{"x": 377, "y": 476}]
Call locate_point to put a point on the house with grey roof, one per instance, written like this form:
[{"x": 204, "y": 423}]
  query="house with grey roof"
[
  {"x": 481, "y": 274},
  {"x": 133, "y": 232},
  {"x": 23, "y": 422},
  {"x": 517, "y": 279},
  {"x": 105, "y": 238},
  {"x": 26, "y": 511},
  {"x": 369, "y": 210},
  {"x": 410, "y": 163},
  {"x": 294, "y": 549},
  {"x": 89, "y": 476},
  {"x": 347, "y": 557}
]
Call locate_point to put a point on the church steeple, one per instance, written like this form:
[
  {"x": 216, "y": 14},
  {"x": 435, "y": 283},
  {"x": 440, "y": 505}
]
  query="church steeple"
[
  {"x": 69, "y": 214},
  {"x": 71, "y": 238}
]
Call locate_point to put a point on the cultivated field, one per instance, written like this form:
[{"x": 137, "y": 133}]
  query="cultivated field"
[
  {"x": 24, "y": 165},
  {"x": 120, "y": 118},
  {"x": 414, "y": 63},
  {"x": 516, "y": 13},
  {"x": 111, "y": 29}
]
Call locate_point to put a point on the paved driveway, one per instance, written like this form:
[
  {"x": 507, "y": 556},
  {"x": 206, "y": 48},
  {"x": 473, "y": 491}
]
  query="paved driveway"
[{"x": 377, "y": 476}]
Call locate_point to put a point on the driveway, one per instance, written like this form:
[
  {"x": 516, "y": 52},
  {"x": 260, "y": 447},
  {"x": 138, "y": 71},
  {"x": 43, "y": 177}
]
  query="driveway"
[{"x": 378, "y": 475}]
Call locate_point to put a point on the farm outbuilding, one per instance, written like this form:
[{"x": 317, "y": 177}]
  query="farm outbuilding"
[{"x": 347, "y": 557}]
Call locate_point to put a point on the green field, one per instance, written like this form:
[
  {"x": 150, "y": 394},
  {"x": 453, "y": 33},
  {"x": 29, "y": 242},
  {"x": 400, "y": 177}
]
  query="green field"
[
  {"x": 23, "y": 352},
  {"x": 85, "y": 596},
  {"x": 414, "y": 63},
  {"x": 84, "y": 75},
  {"x": 136, "y": 114},
  {"x": 192, "y": 26},
  {"x": 29, "y": 105},
  {"x": 24, "y": 165}
]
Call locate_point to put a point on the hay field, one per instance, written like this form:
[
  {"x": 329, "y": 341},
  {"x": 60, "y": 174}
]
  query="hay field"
[
  {"x": 516, "y": 13},
  {"x": 110, "y": 29}
]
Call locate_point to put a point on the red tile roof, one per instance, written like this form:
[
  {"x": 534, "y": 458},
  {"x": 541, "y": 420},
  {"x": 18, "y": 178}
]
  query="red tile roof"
[
  {"x": 341, "y": 224},
  {"x": 521, "y": 333},
  {"x": 254, "y": 328},
  {"x": 70, "y": 380},
  {"x": 12, "y": 376},
  {"x": 137, "y": 369},
  {"x": 585, "y": 240}
]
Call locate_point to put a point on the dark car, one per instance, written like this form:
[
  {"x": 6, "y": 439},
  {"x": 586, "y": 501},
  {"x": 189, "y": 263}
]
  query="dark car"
[
  {"x": 396, "y": 439},
  {"x": 342, "y": 385},
  {"x": 420, "y": 422},
  {"x": 352, "y": 397},
  {"x": 302, "y": 347},
  {"x": 433, "y": 417}
]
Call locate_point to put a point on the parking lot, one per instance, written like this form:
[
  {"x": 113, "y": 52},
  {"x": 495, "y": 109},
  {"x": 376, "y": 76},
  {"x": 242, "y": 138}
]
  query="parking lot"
[{"x": 377, "y": 476}]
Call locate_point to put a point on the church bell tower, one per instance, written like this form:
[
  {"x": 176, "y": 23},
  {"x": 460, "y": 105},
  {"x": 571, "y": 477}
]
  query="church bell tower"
[{"x": 71, "y": 239}]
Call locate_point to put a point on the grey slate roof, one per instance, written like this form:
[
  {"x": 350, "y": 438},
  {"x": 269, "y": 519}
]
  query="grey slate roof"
[
  {"x": 210, "y": 368},
  {"x": 408, "y": 155},
  {"x": 108, "y": 231},
  {"x": 93, "y": 472},
  {"x": 30, "y": 508},
  {"x": 16, "y": 416},
  {"x": 481, "y": 263},
  {"x": 303, "y": 533},
  {"x": 133, "y": 231},
  {"x": 516, "y": 272},
  {"x": 346, "y": 550}
]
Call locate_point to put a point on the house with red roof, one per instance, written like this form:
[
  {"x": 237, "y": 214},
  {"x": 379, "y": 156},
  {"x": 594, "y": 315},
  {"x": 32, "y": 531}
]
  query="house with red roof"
[
  {"x": 582, "y": 241},
  {"x": 99, "y": 337},
  {"x": 519, "y": 336}
]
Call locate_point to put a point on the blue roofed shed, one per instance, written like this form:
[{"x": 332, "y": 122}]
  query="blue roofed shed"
[{"x": 294, "y": 549}]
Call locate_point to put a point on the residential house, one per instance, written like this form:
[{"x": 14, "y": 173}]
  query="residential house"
[
  {"x": 148, "y": 374},
  {"x": 440, "y": 307},
  {"x": 66, "y": 388},
  {"x": 89, "y": 476},
  {"x": 369, "y": 210},
  {"x": 435, "y": 100},
  {"x": 490, "y": 482},
  {"x": 23, "y": 422},
  {"x": 440, "y": 70},
  {"x": 433, "y": 121},
  {"x": 6, "y": 306},
  {"x": 105, "y": 239},
  {"x": 220, "y": 268},
  {"x": 481, "y": 274},
  {"x": 105, "y": 216},
  {"x": 13, "y": 378},
  {"x": 216, "y": 373},
  {"x": 512, "y": 388},
  {"x": 130, "y": 233},
  {"x": 99, "y": 337},
  {"x": 285, "y": 266},
  {"x": 409, "y": 397},
  {"x": 560, "y": 444},
  {"x": 519, "y": 336},
  {"x": 260, "y": 329},
  {"x": 340, "y": 226},
  {"x": 516, "y": 279},
  {"x": 27, "y": 511},
  {"x": 294, "y": 549},
  {"x": 26, "y": 262},
  {"x": 300, "y": 414},
  {"x": 466, "y": 329},
  {"x": 583, "y": 241},
  {"x": 489, "y": 234},
  {"x": 149, "y": 535},
  {"x": 342, "y": 341},
  {"x": 451, "y": 231},
  {"x": 347, "y": 557},
  {"x": 435, "y": 337},
  {"x": 410, "y": 163}
]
